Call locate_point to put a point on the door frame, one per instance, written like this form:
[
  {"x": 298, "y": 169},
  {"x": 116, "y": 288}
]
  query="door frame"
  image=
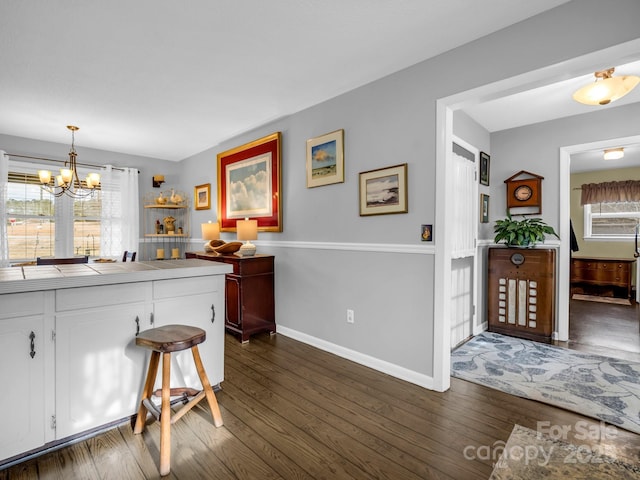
[{"x": 445, "y": 107}]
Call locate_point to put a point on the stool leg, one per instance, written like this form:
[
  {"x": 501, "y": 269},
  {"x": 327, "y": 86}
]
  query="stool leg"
[
  {"x": 206, "y": 386},
  {"x": 165, "y": 417},
  {"x": 147, "y": 392}
]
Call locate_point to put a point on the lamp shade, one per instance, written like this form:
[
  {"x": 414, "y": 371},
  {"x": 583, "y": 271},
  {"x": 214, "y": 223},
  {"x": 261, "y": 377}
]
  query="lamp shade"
[
  {"x": 247, "y": 229},
  {"x": 606, "y": 90},
  {"x": 210, "y": 231}
]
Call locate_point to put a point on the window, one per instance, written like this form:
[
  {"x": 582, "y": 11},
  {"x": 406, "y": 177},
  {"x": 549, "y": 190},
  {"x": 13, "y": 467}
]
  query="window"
[
  {"x": 32, "y": 219},
  {"x": 611, "y": 221}
]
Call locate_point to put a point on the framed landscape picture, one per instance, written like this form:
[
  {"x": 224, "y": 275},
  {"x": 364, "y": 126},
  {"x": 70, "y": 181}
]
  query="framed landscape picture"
[
  {"x": 384, "y": 191},
  {"x": 249, "y": 184},
  {"x": 202, "y": 197},
  {"x": 325, "y": 159}
]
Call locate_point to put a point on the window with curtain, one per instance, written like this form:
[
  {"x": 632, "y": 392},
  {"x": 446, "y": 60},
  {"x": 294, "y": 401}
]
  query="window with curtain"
[
  {"x": 42, "y": 225},
  {"x": 611, "y": 209}
]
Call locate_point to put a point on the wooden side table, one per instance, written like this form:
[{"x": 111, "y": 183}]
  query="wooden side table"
[{"x": 250, "y": 303}]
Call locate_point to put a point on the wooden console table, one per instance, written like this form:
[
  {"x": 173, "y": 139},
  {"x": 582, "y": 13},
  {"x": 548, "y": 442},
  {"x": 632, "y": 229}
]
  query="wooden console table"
[
  {"x": 250, "y": 305},
  {"x": 612, "y": 272}
]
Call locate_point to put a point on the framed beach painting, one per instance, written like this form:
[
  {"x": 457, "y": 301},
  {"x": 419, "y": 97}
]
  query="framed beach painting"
[
  {"x": 249, "y": 184},
  {"x": 384, "y": 191},
  {"x": 325, "y": 159}
]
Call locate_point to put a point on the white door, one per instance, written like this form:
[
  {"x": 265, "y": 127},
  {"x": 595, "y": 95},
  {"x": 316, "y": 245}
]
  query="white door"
[{"x": 464, "y": 198}]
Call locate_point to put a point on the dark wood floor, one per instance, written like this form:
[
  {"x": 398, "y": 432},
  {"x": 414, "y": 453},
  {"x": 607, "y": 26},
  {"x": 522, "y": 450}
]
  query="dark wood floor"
[
  {"x": 294, "y": 412},
  {"x": 605, "y": 328}
]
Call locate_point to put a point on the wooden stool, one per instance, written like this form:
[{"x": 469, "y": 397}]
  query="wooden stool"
[{"x": 165, "y": 340}]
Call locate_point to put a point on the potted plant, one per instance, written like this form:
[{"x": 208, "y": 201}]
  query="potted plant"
[{"x": 522, "y": 233}]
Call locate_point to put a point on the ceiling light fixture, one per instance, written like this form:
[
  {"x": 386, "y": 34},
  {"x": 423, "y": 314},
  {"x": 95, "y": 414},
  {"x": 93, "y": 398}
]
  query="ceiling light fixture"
[
  {"x": 606, "y": 88},
  {"x": 68, "y": 183},
  {"x": 613, "y": 153}
]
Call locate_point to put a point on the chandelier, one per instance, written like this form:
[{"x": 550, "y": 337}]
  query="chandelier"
[{"x": 68, "y": 183}]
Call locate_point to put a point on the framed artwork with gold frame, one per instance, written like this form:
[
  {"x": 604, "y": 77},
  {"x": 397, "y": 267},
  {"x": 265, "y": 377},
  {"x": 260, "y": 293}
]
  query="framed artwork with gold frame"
[
  {"x": 202, "y": 196},
  {"x": 249, "y": 184}
]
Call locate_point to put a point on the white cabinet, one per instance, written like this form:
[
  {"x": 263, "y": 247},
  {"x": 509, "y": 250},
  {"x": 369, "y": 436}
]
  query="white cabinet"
[
  {"x": 22, "y": 401},
  {"x": 99, "y": 369},
  {"x": 197, "y": 301}
]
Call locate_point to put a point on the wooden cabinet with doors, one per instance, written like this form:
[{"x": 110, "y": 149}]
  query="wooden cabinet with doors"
[
  {"x": 521, "y": 292},
  {"x": 249, "y": 293}
]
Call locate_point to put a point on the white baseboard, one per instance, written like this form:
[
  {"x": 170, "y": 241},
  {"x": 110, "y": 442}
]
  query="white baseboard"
[
  {"x": 478, "y": 329},
  {"x": 366, "y": 360}
]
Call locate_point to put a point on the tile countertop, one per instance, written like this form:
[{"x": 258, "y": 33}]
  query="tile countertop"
[{"x": 52, "y": 277}]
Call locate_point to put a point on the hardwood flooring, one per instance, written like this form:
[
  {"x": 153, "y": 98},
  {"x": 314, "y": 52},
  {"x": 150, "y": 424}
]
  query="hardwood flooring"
[
  {"x": 295, "y": 412},
  {"x": 605, "y": 329}
]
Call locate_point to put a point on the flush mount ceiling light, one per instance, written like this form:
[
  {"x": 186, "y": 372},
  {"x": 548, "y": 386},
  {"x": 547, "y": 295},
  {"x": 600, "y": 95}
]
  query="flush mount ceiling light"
[
  {"x": 613, "y": 153},
  {"x": 606, "y": 88}
]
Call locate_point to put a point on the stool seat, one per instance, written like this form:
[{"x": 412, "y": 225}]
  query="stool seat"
[
  {"x": 163, "y": 341},
  {"x": 171, "y": 338}
]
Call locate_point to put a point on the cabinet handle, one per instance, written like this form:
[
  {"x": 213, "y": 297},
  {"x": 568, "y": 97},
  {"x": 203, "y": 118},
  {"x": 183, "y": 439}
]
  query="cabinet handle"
[
  {"x": 32, "y": 337},
  {"x": 137, "y": 325},
  {"x": 151, "y": 320},
  {"x": 213, "y": 313}
]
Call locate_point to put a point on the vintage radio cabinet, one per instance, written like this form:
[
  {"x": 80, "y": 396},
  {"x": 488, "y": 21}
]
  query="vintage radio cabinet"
[{"x": 521, "y": 292}]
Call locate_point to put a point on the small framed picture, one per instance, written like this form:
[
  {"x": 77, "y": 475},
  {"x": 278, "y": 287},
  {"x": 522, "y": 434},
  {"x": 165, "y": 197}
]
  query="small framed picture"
[
  {"x": 202, "y": 194},
  {"x": 426, "y": 233},
  {"x": 384, "y": 191},
  {"x": 484, "y": 208},
  {"x": 325, "y": 159},
  {"x": 484, "y": 168}
]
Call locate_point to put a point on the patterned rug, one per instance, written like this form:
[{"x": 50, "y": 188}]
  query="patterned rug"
[
  {"x": 529, "y": 455},
  {"x": 604, "y": 388}
]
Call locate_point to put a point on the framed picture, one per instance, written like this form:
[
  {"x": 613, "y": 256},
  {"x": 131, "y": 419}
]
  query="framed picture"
[
  {"x": 249, "y": 184},
  {"x": 202, "y": 196},
  {"x": 325, "y": 159},
  {"x": 484, "y": 168},
  {"x": 384, "y": 191},
  {"x": 484, "y": 208},
  {"x": 426, "y": 233}
]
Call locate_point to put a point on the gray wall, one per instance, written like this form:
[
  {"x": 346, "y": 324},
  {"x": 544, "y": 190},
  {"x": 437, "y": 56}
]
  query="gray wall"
[
  {"x": 328, "y": 258},
  {"x": 535, "y": 148}
]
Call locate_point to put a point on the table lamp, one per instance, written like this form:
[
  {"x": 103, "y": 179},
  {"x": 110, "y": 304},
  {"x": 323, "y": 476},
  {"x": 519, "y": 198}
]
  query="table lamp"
[
  {"x": 210, "y": 231},
  {"x": 247, "y": 230}
]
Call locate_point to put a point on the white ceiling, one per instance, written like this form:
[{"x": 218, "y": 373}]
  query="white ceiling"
[{"x": 169, "y": 79}]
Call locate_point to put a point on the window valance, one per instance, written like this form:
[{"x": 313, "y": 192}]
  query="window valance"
[{"x": 610, "y": 192}]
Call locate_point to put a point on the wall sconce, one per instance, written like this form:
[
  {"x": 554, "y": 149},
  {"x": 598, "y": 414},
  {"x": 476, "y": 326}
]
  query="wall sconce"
[
  {"x": 210, "y": 231},
  {"x": 613, "y": 153},
  {"x": 247, "y": 230},
  {"x": 158, "y": 180}
]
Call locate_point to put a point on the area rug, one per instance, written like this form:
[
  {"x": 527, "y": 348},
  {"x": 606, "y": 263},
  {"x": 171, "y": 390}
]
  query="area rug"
[
  {"x": 595, "y": 298},
  {"x": 529, "y": 455},
  {"x": 604, "y": 388}
]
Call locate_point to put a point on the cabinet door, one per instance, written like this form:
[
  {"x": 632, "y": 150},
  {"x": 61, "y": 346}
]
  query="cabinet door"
[
  {"x": 22, "y": 380},
  {"x": 99, "y": 369},
  {"x": 198, "y": 302}
]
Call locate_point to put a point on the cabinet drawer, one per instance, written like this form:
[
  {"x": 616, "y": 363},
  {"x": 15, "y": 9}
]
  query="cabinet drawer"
[
  {"x": 180, "y": 287},
  {"x": 99, "y": 296},
  {"x": 21, "y": 304}
]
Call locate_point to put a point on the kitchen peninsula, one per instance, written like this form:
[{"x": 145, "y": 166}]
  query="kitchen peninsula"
[{"x": 67, "y": 333}]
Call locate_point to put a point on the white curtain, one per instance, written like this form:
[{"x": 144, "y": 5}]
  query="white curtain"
[
  {"x": 4, "y": 187},
  {"x": 464, "y": 207},
  {"x": 120, "y": 211}
]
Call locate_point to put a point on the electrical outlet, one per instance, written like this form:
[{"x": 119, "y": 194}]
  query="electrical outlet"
[{"x": 350, "y": 316}]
